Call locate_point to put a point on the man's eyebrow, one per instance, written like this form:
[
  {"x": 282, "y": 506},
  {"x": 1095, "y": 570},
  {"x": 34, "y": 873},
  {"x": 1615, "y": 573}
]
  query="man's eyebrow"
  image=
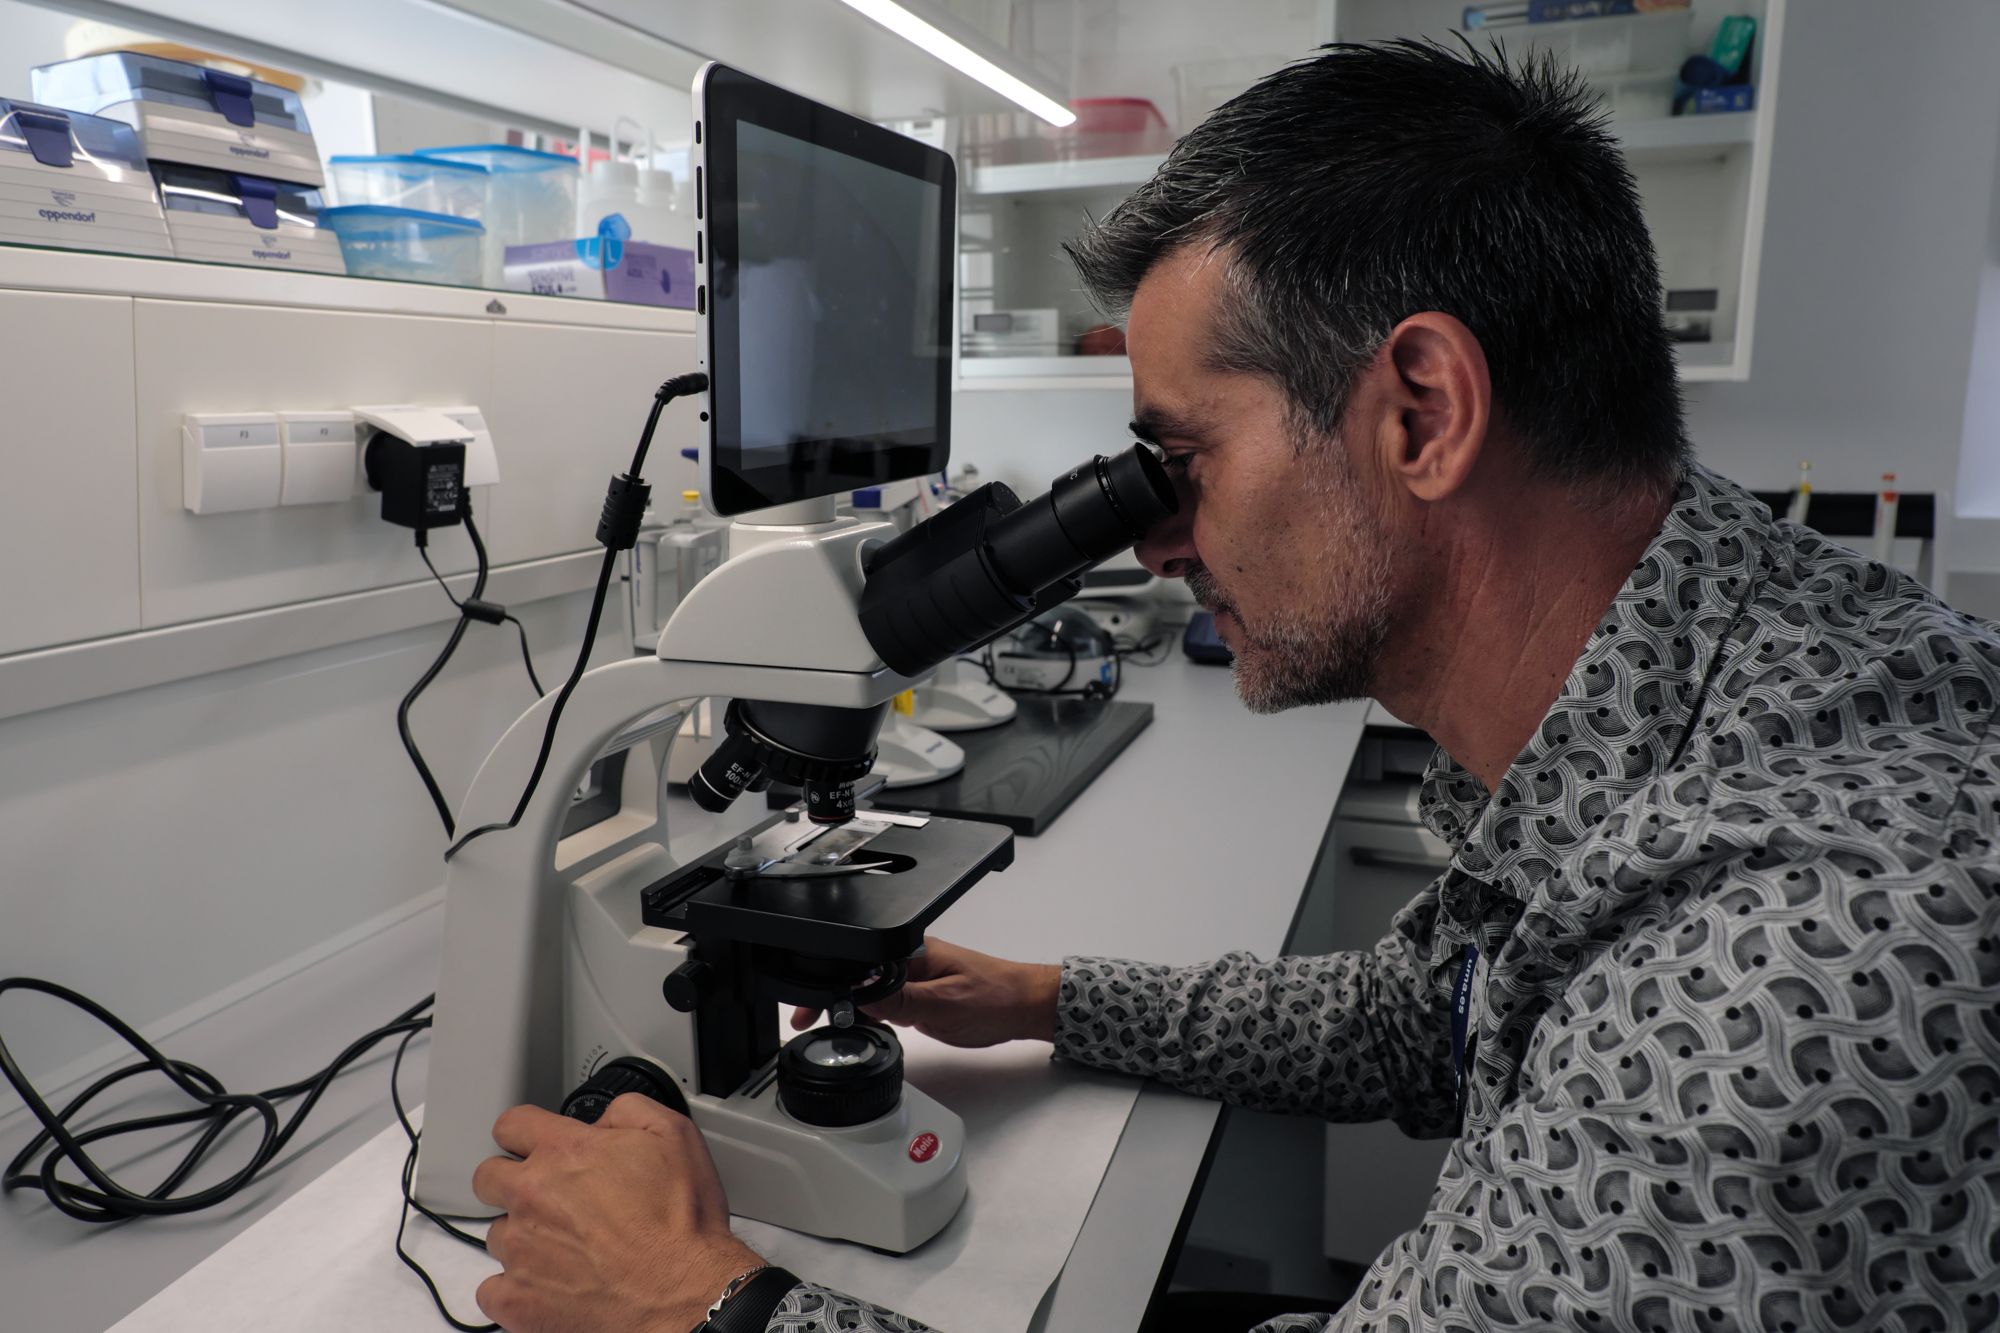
[{"x": 1154, "y": 425}]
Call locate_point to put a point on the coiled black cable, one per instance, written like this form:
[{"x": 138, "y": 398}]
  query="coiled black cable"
[{"x": 100, "y": 1197}]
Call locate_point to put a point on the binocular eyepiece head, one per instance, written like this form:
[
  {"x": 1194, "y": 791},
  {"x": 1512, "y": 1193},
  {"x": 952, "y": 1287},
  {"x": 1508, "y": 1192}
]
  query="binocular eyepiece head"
[
  {"x": 989, "y": 562},
  {"x": 948, "y": 585}
]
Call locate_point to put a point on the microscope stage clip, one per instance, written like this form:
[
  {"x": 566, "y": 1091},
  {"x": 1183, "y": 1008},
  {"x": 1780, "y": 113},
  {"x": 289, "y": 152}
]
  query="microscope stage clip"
[{"x": 782, "y": 852}]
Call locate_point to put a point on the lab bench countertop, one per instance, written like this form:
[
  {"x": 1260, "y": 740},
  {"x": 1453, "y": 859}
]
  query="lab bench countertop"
[{"x": 1198, "y": 839}]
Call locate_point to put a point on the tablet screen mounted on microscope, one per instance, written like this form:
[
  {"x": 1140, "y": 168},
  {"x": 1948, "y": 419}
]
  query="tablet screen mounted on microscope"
[{"x": 826, "y": 320}]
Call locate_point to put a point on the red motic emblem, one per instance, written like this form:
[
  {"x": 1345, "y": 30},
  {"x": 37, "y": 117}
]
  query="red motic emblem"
[{"x": 923, "y": 1147}]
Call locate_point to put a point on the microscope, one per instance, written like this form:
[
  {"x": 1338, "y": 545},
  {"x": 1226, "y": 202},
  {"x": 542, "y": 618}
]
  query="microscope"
[{"x": 580, "y": 965}]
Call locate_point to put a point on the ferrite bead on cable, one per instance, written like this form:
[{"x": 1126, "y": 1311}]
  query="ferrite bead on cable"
[
  {"x": 491, "y": 613},
  {"x": 624, "y": 510}
]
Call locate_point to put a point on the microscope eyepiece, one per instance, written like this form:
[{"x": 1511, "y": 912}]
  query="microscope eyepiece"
[{"x": 990, "y": 562}]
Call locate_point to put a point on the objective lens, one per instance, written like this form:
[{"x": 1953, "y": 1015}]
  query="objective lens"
[
  {"x": 823, "y": 749},
  {"x": 736, "y": 764},
  {"x": 829, "y": 802}
]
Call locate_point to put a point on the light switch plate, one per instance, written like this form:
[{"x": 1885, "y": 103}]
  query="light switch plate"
[
  {"x": 482, "y": 465},
  {"x": 319, "y": 452},
  {"x": 230, "y": 461}
]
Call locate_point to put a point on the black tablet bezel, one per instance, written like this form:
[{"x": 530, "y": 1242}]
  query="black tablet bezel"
[{"x": 728, "y": 98}]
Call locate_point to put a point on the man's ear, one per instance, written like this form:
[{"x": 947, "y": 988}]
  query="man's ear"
[{"x": 1438, "y": 402}]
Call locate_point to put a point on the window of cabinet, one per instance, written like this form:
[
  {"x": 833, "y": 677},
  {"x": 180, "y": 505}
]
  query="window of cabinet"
[{"x": 1702, "y": 177}]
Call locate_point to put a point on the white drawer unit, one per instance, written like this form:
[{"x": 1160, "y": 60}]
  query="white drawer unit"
[{"x": 1378, "y": 1181}]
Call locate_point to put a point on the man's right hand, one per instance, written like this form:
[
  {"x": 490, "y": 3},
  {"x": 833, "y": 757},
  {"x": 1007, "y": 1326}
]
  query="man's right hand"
[{"x": 964, "y": 998}]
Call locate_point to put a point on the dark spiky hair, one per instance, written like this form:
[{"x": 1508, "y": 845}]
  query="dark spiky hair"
[{"x": 1352, "y": 189}]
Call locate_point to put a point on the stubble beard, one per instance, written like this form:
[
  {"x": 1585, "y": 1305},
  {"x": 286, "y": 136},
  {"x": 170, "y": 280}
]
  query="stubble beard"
[{"x": 1328, "y": 653}]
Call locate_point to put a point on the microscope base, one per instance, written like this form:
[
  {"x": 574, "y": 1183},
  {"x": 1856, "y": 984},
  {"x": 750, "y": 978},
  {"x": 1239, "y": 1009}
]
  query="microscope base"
[
  {"x": 909, "y": 755},
  {"x": 958, "y": 699},
  {"x": 892, "y": 1183}
]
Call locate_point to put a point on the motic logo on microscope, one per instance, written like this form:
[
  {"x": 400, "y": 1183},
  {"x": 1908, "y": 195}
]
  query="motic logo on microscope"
[{"x": 923, "y": 1147}]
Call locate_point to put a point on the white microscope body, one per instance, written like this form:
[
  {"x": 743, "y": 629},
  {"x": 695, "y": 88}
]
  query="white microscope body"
[
  {"x": 960, "y": 696},
  {"x": 549, "y": 968}
]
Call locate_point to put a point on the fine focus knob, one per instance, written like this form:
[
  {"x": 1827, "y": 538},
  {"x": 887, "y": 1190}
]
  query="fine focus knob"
[
  {"x": 688, "y": 985},
  {"x": 841, "y": 1076},
  {"x": 616, "y": 1078}
]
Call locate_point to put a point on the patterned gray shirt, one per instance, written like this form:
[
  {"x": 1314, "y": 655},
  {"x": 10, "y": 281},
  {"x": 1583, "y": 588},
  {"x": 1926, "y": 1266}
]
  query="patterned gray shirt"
[{"x": 1734, "y": 1046}]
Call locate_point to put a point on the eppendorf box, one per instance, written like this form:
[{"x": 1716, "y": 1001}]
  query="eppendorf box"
[
  {"x": 76, "y": 181},
  {"x": 224, "y": 217},
  {"x": 190, "y": 113}
]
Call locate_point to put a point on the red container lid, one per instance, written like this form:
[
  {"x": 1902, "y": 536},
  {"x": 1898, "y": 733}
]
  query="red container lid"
[{"x": 1116, "y": 115}]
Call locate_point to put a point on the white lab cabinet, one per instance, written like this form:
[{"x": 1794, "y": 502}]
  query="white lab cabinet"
[
  {"x": 1702, "y": 179},
  {"x": 214, "y": 357},
  {"x": 1378, "y": 1181},
  {"x": 69, "y": 553},
  {"x": 569, "y": 403}
]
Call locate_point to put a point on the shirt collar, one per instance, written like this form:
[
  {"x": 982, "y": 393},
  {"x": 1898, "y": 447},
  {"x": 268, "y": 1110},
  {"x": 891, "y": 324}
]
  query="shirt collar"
[{"x": 1627, "y": 703}]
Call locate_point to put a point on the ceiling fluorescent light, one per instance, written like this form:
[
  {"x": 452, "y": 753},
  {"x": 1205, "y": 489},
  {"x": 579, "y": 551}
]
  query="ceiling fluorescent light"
[{"x": 963, "y": 59}]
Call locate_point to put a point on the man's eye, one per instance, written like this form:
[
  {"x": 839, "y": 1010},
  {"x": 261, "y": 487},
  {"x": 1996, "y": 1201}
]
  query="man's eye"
[{"x": 1179, "y": 462}]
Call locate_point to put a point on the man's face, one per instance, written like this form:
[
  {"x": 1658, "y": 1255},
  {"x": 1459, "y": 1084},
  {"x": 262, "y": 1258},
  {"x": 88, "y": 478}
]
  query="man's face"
[{"x": 1274, "y": 535}]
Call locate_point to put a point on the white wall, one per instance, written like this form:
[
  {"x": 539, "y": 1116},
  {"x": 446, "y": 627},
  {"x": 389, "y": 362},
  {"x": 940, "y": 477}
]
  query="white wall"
[
  {"x": 1979, "y": 446},
  {"x": 201, "y": 779},
  {"x": 164, "y": 844},
  {"x": 1881, "y": 189},
  {"x": 1877, "y": 225}
]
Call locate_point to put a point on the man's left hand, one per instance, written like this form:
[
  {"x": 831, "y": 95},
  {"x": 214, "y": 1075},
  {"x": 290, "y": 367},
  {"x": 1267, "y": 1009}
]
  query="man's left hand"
[{"x": 618, "y": 1225}]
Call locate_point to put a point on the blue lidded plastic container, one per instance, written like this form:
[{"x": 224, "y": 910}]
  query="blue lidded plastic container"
[
  {"x": 530, "y": 196},
  {"x": 404, "y": 180},
  {"x": 190, "y": 113},
  {"x": 379, "y": 241}
]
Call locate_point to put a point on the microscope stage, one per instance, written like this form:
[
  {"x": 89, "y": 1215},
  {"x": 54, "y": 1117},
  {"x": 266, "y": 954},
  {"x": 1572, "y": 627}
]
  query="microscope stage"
[{"x": 865, "y": 917}]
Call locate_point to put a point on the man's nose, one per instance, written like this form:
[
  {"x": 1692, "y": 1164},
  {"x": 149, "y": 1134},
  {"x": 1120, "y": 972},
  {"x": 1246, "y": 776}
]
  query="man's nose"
[{"x": 1168, "y": 549}]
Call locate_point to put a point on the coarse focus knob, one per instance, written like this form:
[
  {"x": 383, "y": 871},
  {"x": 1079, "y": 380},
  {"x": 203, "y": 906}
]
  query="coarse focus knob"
[
  {"x": 688, "y": 985},
  {"x": 611, "y": 1081}
]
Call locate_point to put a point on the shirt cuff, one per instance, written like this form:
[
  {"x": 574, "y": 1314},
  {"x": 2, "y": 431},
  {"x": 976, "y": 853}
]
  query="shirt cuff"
[
  {"x": 811, "y": 1308},
  {"x": 1103, "y": 1010}
]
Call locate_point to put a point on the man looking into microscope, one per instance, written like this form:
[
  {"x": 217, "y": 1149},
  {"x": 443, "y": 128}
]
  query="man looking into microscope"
[{"x": 1707, "y": 996}]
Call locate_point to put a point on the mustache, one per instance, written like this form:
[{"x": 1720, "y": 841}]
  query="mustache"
[{"x": 1207, "y": 591}]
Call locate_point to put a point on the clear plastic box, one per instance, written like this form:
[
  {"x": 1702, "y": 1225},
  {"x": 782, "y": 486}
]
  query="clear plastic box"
[
  {"x": 378, "y": 241},
  {"x": 404, "y": 180},
  {"x": 1200, "y": 86},
  {"x": 223, "y": 217},
  {"x": 75, "y": 181},
  {"x": 190, "y": 113},
  {"x": 1113, "y": 127},
  {"x": 530, "y": 197},
  {"x": 1619, "y": 44}
]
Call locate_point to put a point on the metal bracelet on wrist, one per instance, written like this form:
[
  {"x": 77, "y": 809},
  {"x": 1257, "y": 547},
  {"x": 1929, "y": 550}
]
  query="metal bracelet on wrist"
[{"x": 735, "y": 1285}]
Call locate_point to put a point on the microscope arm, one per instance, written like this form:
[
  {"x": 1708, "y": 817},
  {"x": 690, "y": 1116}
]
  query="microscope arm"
[{"x": 497, "y": 1041}]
